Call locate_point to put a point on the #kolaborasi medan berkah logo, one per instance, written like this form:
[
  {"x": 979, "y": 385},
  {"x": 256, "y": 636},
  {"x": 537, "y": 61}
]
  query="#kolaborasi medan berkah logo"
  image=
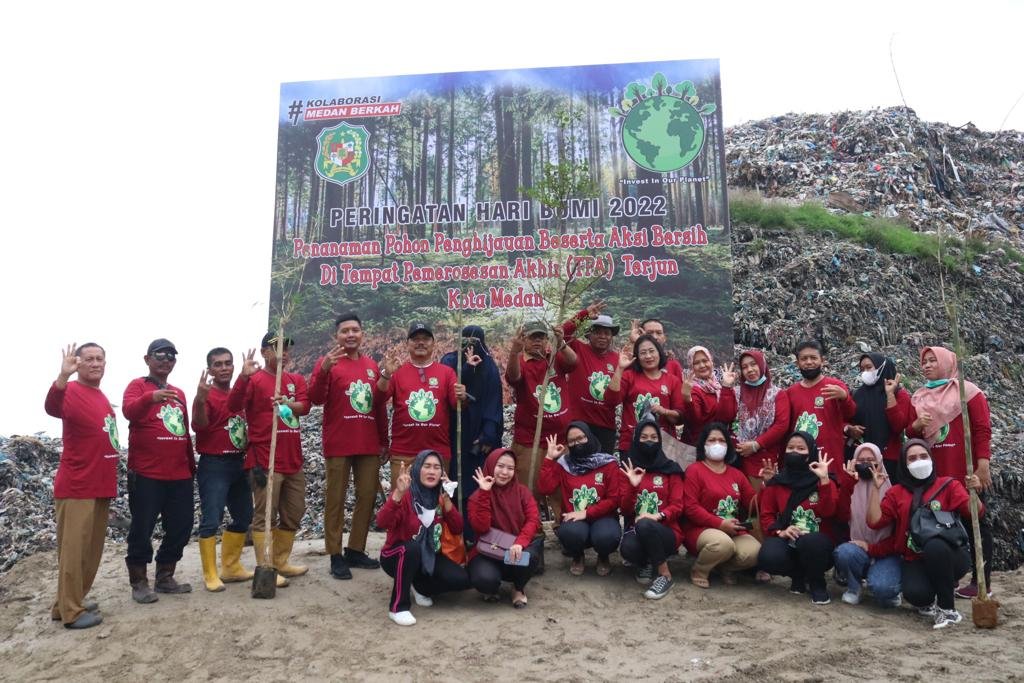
[{"x": 343, "y": 153}]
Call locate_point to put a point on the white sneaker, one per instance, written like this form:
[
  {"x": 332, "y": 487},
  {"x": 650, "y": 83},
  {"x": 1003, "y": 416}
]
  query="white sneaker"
[
  {"x": 929, "y": 611},
  {"x": 851, "y": 598},
  {"x": 945, "y": 617},
  {"x": 402, "y": 618},
  {"x": 421, "y": 600}
]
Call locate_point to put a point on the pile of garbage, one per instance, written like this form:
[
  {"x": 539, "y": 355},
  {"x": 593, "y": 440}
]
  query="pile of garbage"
[{"x": 886, "y": 163}]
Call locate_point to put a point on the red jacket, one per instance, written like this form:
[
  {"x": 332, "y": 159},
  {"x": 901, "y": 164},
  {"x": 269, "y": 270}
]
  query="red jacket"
[
  {"x": 400, "y": 520},
  {"x": 598, "y": 491},
  {"x": 817, "y": 510},
  {"x": 710, "y": 497},
  {"x": 896, "y": 510},
  {"x": 479, "y": 513},
  {"x": 948, "y": 452},
  {"x": 88, "y": 460},
  {"x": 656, "y": 493},
  {"x": 158, "y": 443}
]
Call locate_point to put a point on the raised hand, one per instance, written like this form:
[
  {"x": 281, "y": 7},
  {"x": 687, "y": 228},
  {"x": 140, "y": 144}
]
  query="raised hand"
[
  {"x": 634, "y": 331},
  {"x": 69, "y": 362},
  {"x": 891, "y": 385},
  {"x": 728, "y": 374},
  {"x": 555, "y": 449},
  {"x": 205, "y": 384},
  {"x": 595, "y": 309},
  {"x": 483, "y": 482},
  {"x": 634, "y": 474},
  {"x": 688, "y": 381},
  {"x": 879, "y": 474},
  {"x": 332, "y": 357},
  {"x": 250, "y": 366},
  {"x": 403, "y": 482},
  {"x": 472, "y": 358},
  {"x": 851, "y": 468},
  {"x": 820, "y": 467},
  {"x": 833, "y": 392},
  {"x": 559, "y": 335},
  {"x": 391, "y": 362},
  {"x": 769, "y": 468},
  {"x": 518, "y": 342},
  {"x": 626, "y": 356}
]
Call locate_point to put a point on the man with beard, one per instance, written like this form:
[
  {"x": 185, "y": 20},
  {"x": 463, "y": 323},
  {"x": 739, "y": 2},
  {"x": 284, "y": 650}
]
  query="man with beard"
[
  {"x": 160, "y": 469},
  {"x": 596, "y": 362}
]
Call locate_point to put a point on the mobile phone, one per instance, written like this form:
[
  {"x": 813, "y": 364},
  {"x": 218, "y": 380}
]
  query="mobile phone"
[{"x": 524, "y": 560}]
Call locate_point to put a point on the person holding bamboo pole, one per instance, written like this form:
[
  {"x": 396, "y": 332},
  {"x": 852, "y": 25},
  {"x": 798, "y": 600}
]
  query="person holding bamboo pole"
[
  {"x": 254, "y": 392},
  {"x": 935, "y": 414}
]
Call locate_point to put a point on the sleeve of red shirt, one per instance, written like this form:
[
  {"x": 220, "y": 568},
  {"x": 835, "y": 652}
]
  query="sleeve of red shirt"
[
  {"x": 627, "y": 503},
  {"x": 674, "y": 508},
  {"x": 390, "y": 514},
  {"x": 889, "y": 511},
  {"x": 570, "y": 325},
  {"x": 613, "y": 494},
  {"x": 380, "y": 413},
  {"x": 136, "y": 402},
  {"x": 692, "y": 508},
  {"x": 957, "y": 498},
  {"x": 532, "y": 524},
  {"x": 479, "y": 511},
  {"x": 981, "y": 427},
  {"x": 54, "y": 404},
  {"x": 773, "y": 436},
  {"x": 675, "y": 398},
  {"x": 239, "y": 394},
  {"x": 549, "y": 478},
  {"x": 898, "y": 416},
  {"x": 522, "y": 376},
  {"x": 319, "y": 383},
  {"x": 725, "y": 411},
  {"x": 829, "y": 498},
  {"x": 769, "y": 509},
  {"x": 301, "y": 396}
]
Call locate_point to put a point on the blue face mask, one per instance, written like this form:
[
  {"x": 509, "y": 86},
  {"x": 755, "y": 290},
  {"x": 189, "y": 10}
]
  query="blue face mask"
[{"x": 758, "y": 383}]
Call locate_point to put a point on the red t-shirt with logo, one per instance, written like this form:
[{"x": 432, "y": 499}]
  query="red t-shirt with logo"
[
  {"x": 814, "y": 513},
  {"x": 226, "y": 431},
  {"x": 88, "y": 461},
  {"x": 158, "y": 443},
  {"x": 710, "y": 497},
  {"x": 656, "y": 493},
  {"x": 253, "y": 394},
  {"x": 355, "y": 412},
  {"x": 599, "y": 491},
  {"x": 823, "y": 419},
  {"x": 948, "y": 452},
  {"x": 589, "y": 379},
  {"x": 896, "y": 510},
  {"x": 634, "y": 389},
  {"x": 556, "y": 403},
  {"x": 423, "y": 399}
]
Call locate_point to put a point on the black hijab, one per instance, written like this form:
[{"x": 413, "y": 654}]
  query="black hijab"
[
  {"x": 800, "y": 481},
  {"x": 658, "y": 462},
  {"x": 590, "y": 457},
  {"x": 916, "y": 486},
  {"x": 871, "y": 402},
  {"x": 424, "y": 499},
  {"x": 731, "y": 456}
]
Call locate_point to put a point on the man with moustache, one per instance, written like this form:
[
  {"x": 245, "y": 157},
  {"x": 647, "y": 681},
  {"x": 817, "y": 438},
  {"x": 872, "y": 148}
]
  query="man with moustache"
[
  {"x": 596, "y": 363},
  {"x": 355, "y": 428}
]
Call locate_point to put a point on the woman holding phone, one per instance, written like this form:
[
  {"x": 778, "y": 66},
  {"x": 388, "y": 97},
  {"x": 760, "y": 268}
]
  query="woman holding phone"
[{"x": 504, "y": 515}]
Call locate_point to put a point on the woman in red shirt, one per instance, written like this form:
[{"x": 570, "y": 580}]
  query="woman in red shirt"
[
  {"x": 798, "y": 506},
  {"x": 716, "y": 497},
  {"x": 652, "y": 505},
  {"x": 929, "y": 574},
  {"x": 641, "y": 383},
  {"x": 412, "y": 517},
  {"x": 701, "y": 391},
  {"x": 590, "y": 482},
  {"x": 501, "y": 502}
]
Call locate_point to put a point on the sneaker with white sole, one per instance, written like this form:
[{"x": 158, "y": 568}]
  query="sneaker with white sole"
[
  {"x": 945, "y": 617},
  {"x": 659, "y": 588},
  {"x": 422, "y": 600},
  {"x": 644, "y": 574},
  {"x": 851, "y": 597},
  {"x": 929, "y": 611},
  {"x": 820, "y": 596},
  {"x": 402, "y": 618}
]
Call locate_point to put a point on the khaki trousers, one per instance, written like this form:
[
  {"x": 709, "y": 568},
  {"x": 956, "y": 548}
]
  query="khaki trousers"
[
  {"x": 396, "y": 466},
  {"x": 288, "y": 502},
  {"x": 730, "y": 553},
  {"x": 81, "y": 530},
  {"x": 524, "y": 459},
  {"x": 365, "y": 470}
]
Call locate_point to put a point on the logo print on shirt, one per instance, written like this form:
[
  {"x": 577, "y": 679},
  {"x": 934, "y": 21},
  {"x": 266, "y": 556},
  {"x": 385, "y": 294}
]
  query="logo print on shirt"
[
  {"x": 583, "y": 497},
  {"x": 173, "y": 419},
  {"x": 422, "y": 405},
  {"x": 943, "y": 433},
  {"x": 110, "y": 427},
  {"x": 727, "y": 508},
  {"x": 935, "y": 505},
  {"x": 552, "y": 398},
  {"x": 432, "y": 382},
  {"x": 805, "y": 520},
  {"x": 813, "y": 498},
  {"x": 370, "y": 373},
  {"x": 808, "y": 422},
  {"x": 819, "y": 402},
  {"x": 360, "y": 396},
  {"x": 599, "y": 478},
  {"x": 658, "y": 481},
  {"x": 598, "y": 383},
  {"x": 287, "y": 416},
  {"x": 664, "y": 390},
  {"x": 291, "y": 388},
  {"x": 638, "y": 404},
  {"x": 647, "y": 503},
  {"x": 238, "y": 432}
]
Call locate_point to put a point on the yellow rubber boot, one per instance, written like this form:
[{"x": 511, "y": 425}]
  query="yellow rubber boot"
[
  {"x": 208, "y": 554},
  {"x": 283, "y": 541},
  {"x": 231, "y": 569},
  {"x": 258, "y": 538}
]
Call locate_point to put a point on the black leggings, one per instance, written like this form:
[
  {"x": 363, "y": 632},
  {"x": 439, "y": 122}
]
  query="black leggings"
[
  {"x": 486, "y": 573},
  {"x": 648, "y": 542},
  {"x": 931, "y": 578},
  {"x": 603, "y": 535},
  {"x": 402, "y": 563},
  {"x": 807, "y": 561}
]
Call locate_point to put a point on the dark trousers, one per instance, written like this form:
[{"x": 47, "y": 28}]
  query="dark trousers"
[
  {"x": 402, "y": 563},
  {"x": 171, "y": 501},
  {"x": 806, "y": 560},
  {"x": 223, "y": 483},
  {"x": 486, "y": 573},
  {"x": 985, "y": 527},
  {"x": 606, "y": 435},
  {"x": 603, "y": 535},
  {"x": 933, "y": 576},
  {"x": 648, "y": 542},
  {"x": 471, "y": 460}
]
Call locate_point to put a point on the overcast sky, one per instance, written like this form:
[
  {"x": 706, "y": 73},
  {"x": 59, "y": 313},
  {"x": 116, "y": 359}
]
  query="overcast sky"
[{"x": 139, "y": 143}]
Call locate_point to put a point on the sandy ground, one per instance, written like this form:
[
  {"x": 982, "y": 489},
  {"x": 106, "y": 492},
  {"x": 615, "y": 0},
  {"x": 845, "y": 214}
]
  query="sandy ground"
[{"x": 575, "y": 629}]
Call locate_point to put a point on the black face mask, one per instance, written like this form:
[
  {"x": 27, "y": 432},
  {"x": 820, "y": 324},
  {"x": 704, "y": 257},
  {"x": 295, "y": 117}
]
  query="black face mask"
[
  {"x": 811, "y": 373},
  {"x": 864, "y": 471},
  {"x": 580, "y": 450},
  {"x": 794, "y": 461},
  {"x": 648, "y": 448}
]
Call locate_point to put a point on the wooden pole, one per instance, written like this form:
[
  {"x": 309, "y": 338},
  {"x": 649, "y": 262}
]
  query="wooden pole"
[
  {"x": 458, "y": 417},
  {"x": 268, "y": 537}
]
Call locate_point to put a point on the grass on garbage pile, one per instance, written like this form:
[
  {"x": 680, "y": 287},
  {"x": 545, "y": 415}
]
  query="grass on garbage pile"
[{"x": 879, "y": 233}]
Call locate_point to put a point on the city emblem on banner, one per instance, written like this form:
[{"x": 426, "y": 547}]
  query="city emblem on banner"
[{"x": 343, "y": 153}]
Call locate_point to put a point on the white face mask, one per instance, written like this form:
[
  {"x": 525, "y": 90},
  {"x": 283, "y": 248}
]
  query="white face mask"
[
  {"x": 869, "y": 377},
  {"x": 920, "y": 469},
  {"x": 715, "y": 451}
]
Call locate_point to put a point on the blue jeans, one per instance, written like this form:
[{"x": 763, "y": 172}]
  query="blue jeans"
[
  {"x": 222, "y": 482},
  {"x": 883, "y": 574}
]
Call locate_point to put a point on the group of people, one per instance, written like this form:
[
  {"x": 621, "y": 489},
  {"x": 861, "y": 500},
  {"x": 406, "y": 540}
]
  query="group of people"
[{"x": 621, "y": 448}]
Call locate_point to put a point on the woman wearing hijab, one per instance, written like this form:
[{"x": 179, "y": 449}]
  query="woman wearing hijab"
[
  {"x": 591, "y": 486},
  {"x": 412, "y": 516},
  {"x": 935, "y": 416},
  {"x": 716, "y": 497},
  {"x": 761, "y": 412},
  {"x": 869, "y": 555},
  {"x": 501, "y": 502},
  {"x": 701, "y": 392},
  {"x": 482, "y": 420},
  {"x": 798, "y": 507},
  {"x": 929, "y": 573},
  {"x": 879, "y": 385},
  {"x": 652, "y": 504},
  {"x": 640, "y": 383}
]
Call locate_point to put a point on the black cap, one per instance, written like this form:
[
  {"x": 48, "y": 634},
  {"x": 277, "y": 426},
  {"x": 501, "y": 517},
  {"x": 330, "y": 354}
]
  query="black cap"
[
  {"x": 419, "y": 326},
  {"x": 270, "y": 339},
  {"x": 161, "y": 345}
]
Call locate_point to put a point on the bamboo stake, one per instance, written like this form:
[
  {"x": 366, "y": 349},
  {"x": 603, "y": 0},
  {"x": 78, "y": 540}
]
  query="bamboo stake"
[
  {"x": 268, "y": 537},
  {"x": 458, "y": 417}
]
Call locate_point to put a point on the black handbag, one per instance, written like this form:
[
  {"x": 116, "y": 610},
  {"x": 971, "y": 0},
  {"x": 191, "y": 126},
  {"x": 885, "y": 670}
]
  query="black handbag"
[{"x": 927, "y": 524}]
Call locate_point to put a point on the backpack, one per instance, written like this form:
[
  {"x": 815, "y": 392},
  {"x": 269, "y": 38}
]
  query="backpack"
[{"x": 927, "y": 524}]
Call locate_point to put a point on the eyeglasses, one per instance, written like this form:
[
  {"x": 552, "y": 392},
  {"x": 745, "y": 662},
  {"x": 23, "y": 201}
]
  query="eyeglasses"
[
  {"x": 164, "y": 355},
  {"x": 577, "y": 442}
]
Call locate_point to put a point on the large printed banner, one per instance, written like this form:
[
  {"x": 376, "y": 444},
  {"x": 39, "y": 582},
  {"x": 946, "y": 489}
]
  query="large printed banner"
[{"x": 498, "y": 197}]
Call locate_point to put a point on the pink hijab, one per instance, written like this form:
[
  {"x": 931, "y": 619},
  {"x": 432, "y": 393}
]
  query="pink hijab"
[
  {"x": 711, "y": 386},
  {"x": 859, "y": 529},
  {"x": 943, "y": 403}
]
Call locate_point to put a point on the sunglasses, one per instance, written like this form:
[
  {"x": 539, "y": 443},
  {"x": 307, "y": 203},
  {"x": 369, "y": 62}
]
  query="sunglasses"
[{"x": 164, "y": 355}]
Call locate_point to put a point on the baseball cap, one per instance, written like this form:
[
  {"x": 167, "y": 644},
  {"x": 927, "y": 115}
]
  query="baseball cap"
[
  {"x": 270, "y": 339},
  {"x": 419, "y": 326},
  {"x": 535, "y": 326},
  {"x": 605, "y": 321},
  {"x": 161, "y": 345}
]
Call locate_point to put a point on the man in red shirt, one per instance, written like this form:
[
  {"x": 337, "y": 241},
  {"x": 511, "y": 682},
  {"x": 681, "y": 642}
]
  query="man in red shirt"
[
  {"x": 256, "y": 393},
  {"x": 86, "y": 480},
  {"x": 355, "y": 431},
  {"x": 527, "y": 368},
  {"x": 221, "y": 438},
  {"x": 160, "y": 469},
  {"x": 423, "y": 392},
  {"x": 596, "y": 363}
]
